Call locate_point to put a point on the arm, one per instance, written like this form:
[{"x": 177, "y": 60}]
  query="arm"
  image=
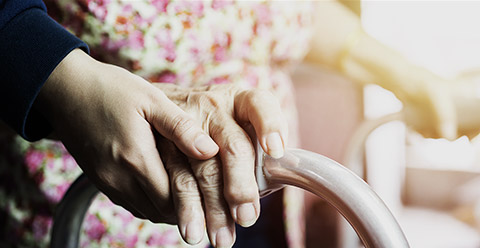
[
  {"x": 346, "y": 48},
  {"x": 113, "y": 122},
  {"x": 31, "y": 46},
  {"x": 100, "y": 112}
]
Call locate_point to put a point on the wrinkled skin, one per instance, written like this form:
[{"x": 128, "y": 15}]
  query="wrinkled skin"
[
  {"x": 225, "y": 112},
  {"x": 164, "y": 153}
]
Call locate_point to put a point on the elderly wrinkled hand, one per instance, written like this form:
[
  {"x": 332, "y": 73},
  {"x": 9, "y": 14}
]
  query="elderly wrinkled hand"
[
  {"x": 228, "y": 190},
  {"x": 165, "y": 153}
]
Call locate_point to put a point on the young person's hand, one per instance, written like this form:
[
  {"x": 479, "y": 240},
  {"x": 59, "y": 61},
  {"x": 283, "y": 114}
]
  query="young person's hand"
[
  {"x": 120, "y": 127},
  {"x": 107, "y": 118}
]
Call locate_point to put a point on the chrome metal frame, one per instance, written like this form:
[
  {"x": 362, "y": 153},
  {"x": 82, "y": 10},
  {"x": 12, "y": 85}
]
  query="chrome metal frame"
[{"x": 348, "y": 193}]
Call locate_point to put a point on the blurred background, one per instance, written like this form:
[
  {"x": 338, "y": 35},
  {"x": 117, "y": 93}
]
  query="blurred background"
[{"x": 431, "y": 185}]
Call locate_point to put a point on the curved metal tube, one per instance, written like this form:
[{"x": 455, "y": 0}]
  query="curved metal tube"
[
  {"x": 70, "y": 213},
  {"x": 350, "y": 195},
  {"x": 354, "y": 160}
]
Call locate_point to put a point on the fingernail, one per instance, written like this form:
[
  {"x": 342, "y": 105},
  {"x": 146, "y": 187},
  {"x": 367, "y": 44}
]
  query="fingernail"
[
  {"x": 205, "y": 144},
  {"x": 274, "y": 145},
  {"x": 223, "y": 238},
  {"x": 194, "y": 232},
  {"x": 246, "y": 214}
]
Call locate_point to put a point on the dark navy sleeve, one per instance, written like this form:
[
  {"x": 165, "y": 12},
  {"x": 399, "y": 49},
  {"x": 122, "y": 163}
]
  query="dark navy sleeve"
[{"x": 31, "y": 46}]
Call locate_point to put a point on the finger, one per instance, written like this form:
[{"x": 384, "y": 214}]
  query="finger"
[
  {"x": 238, "y": 163},
  {"x": 262, "y": 110},
  {"x": 444, "y": 110},
  {"x": 220, "y": 225},
  {"x": 185, "y": 192},
  {"x": 142, "y": 159},
  {"x": 176, "y": 125}
]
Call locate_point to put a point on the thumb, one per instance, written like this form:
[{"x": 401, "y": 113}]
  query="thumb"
[{"x": 176, "y": 125}]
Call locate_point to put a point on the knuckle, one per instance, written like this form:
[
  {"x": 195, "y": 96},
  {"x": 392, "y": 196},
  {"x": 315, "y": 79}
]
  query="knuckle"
[
  {"x": 232, "y": 89},
  {"x": 181, "y": 125},
  {"x": 260, "y": 97},
  {"x": 238, "y": 147},
  {"x": 212, "y": 100},
  {"x": 184, "y": 183},
  {"x": 208, "y": 102},
  {"x": 112, "y": 182},
  {"x": 215, "y": 87},
  {"x": 132, "y": 159},
  {"x": 104, "y": 178},
  {"x": 209, "y": 174}
]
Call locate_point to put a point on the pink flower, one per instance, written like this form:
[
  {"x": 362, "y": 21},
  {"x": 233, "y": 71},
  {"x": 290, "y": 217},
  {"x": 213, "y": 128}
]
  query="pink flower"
[
  {"x": 62, "y": 189},
  {"x": 195, "y": 52},
  {"x": 220, "y": 54},
  {"x": 128, "y": 241},
  {"x": 127, "y": 8},
  {"x": 95, "y": 229},
  {"x": 220, "y": 4},
  {"x": 165, "y": 77},
  {"x": 164, "y": 39},
  {"x": 263, "y": 13},
  {"x": 34, "y": 160},
  {"x": 40, "y": 226},
  {"x": 52, "y": 194},
  {"x": 161, "y": 5},
  {"x": 170, "y": 54},
  {"x": 222, "y": 43},
  {"x": 122, "y": 240},
  {"x": 50, "y": 164},
  {"x": 169, "y": 237},
  {"x": 98, "y": 8},
  {"x": 142, "y": 21},
  {"x": 124, "y": 215},
  {"x": 197, "y": 8},
  {"x": 69, "y": 163},
  {"x": 112, "y": 45},
  {"x": 252, "y": 80},
  {"x": 135, "y": 40},
  {"x": 193, "y": 7}
]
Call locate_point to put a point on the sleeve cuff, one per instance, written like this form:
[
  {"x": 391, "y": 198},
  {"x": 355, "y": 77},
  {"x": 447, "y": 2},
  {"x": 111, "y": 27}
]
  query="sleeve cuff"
[{"x": 32, "y": 45}]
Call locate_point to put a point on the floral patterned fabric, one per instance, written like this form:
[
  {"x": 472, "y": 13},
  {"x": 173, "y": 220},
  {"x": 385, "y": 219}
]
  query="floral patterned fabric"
[{"x": 188, "y": 43}]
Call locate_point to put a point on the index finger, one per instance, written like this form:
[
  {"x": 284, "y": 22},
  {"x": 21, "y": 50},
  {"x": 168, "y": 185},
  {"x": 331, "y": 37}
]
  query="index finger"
[{"x": 262, "y": 110}]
